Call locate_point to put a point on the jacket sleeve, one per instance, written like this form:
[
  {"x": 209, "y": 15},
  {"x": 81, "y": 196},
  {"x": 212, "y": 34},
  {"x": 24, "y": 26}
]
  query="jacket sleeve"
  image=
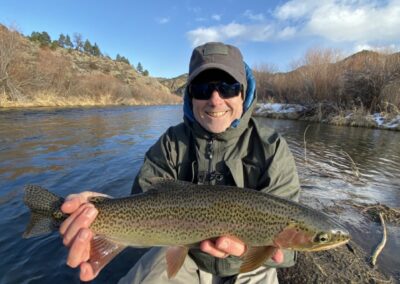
[
  {"x": 282, "y": 180},
  {"x": 159, "y": 161},
  {"x": 281, "y": 176}
]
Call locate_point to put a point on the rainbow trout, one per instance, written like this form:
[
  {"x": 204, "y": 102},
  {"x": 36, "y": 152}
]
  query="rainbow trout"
[{"x": 180, "y": 215}]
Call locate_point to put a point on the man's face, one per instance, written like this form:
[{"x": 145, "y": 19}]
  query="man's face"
[{"x": 216, "y": 114}]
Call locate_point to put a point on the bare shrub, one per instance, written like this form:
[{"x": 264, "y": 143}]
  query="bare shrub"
[
  {"x": 314, "y": 80},
  {"x": 328, "y": 85},
  {"x": 263, "y": 74},
  {"x": 372, "y": 79},
  {"x": 9, "y": 54},
  {"x": 320, "y": 76},
  {"x": 53, "y": 72}
]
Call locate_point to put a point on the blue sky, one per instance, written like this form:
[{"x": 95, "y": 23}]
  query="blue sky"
[{"x": 161, "y": 34}]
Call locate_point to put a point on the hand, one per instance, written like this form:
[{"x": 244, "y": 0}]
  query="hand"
[
  {"x": 225, "y": 246},
  {"x": 76, "y": 233}
]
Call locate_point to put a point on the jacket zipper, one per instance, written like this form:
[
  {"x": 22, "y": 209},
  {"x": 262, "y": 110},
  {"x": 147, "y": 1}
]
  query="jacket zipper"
[{"x": 209, "y": 156}]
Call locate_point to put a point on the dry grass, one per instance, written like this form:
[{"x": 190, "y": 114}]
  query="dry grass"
[
  {"x": 37, "y": 76},
  {"x": 366, "y": 82}
]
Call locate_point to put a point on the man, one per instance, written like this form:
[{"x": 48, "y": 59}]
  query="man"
[{"x": 218, "y": 143}]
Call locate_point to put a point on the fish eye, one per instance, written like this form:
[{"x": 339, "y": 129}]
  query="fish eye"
[{"x": 321, "y": 238}]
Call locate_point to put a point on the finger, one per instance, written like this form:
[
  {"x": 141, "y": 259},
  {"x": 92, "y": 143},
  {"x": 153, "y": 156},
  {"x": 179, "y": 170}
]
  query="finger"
[
  {"x": 230, "y": 246},
  {"x": 79, "y": 248},
  {"x": 83, "y": 220},
  {"x": 278, "y": 256},
  {"x": 86, "y": 255},
  {"x": 74, "y": 201},
  {"x": 67, "y": 222},
  {"x": 86, "y": 273},
  {"x": 208, "y": 246}
]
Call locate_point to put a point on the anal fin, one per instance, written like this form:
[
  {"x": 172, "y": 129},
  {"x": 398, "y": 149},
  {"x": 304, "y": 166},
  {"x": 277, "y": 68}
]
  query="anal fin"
[
  {"x": 175, "y": 258},
  {"x": 102, "y": 251},
  {"x": 255, "y": 257}
]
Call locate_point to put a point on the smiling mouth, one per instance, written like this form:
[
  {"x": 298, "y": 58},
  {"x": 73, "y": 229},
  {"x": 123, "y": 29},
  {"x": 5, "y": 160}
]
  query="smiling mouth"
[{"x": 216, "y": 113}]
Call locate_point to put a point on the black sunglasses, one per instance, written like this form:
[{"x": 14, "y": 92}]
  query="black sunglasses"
[{"x": 204, "y": 91}]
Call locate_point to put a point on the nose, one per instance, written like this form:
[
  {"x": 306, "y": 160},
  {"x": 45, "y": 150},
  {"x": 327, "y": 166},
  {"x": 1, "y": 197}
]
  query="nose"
[{"x": 215, "y": 98}]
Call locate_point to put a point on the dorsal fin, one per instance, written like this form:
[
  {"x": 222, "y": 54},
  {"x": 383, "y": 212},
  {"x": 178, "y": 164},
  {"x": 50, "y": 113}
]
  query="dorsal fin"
[
  {"x": 159, "y": 183},
  {"x": 98, "y": 199}
]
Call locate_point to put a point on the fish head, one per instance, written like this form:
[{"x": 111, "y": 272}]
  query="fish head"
[{"x": 306, "y": 238}]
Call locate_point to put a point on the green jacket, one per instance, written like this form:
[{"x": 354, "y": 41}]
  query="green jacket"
[{"x": 250, "y": 155}]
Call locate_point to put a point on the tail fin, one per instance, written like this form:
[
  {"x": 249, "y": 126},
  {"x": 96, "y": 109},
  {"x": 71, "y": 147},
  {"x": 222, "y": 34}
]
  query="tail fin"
[{"x": 46, "y": 215}]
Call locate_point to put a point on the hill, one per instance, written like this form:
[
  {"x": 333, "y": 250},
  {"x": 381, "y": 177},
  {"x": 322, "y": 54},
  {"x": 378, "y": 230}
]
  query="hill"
[
  {"x": 176, "y": 85},
  {"x": 33, "y": 75}
]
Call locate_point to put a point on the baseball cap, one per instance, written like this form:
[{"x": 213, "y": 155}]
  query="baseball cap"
[{"x": 217, "y": 55}]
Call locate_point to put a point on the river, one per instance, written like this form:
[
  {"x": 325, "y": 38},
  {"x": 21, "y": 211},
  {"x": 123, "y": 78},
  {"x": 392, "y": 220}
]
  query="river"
[{"x": 74, "y": 149}]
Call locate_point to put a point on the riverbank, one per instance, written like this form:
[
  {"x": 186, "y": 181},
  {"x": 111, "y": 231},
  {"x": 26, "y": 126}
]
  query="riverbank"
[
  {"x": 54, "y": 100},
  {"x": 355, "y": 118}
]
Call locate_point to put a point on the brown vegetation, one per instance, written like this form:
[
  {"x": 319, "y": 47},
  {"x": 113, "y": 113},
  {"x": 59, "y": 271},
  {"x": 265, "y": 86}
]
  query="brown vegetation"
[
  {"x": 33, "y": 75},
  {"x": 176, "y": 85},
  {"x": 366, "y": 82}
]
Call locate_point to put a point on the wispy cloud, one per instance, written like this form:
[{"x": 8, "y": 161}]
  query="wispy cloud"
[
  {"x": 216, "y": 17},
  {"x": 349, "y": 21},
  {"x": 254, "y": 17},
  {"x": 232, "y": 31},
  {"x": 345, "y": 20},
  {"x": 296, "y": 9},
  {"x": 163, "y": 21},
  {"x": 286, "y": 33}
]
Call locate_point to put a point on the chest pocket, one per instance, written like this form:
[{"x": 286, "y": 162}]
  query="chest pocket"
[{"x": 245, "y": 173}]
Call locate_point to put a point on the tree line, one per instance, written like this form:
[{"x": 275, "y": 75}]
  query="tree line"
[{"x": 79, "y": 44}]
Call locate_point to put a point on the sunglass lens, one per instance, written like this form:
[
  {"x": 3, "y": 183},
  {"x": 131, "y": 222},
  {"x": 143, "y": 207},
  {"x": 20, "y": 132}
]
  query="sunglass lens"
[
  {"x": 229, "y": 90},
  {"x": 200, "y": 91},
  {"x": 204, "y": 91}
]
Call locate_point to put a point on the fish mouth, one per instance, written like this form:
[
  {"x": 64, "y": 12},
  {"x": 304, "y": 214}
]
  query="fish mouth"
[{"x": 329, "y": 246}]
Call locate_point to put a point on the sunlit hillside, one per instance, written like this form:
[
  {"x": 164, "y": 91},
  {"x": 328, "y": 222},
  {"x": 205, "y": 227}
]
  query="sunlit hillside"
[{"x": 35, "y": 75}]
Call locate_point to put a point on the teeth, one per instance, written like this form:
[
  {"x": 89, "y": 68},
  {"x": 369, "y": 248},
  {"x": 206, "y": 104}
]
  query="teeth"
[{"x": 216, "y": 114}]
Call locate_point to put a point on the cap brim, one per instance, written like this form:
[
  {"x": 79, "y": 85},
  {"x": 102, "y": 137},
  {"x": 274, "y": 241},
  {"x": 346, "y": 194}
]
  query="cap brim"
[{"x": 208, "y": 66}]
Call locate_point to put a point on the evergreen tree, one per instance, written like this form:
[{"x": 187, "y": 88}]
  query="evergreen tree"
[
  {"x": 145, "y": 73},
  {"x": 68, "y": 42},
  {"x": 87, "y": 47},
  {"x": 42, "y": 38},
  {"x": 120, "y": 58},
  {"x": 126, "y": 60},
  {"x": 34, "y": 36},
  {"x": 96, "y": 50},
  {"x": 61, "y": 41},
  {"x": 139, "y": 68},
  {"x": 54, "y": 44}
]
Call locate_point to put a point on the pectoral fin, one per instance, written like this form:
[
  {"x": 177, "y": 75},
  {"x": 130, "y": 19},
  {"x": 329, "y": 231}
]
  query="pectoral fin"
[
  {"x": 102, "y": 251},
  {"x": 175, "y": 257},
  {"x": 255, "y": 257}
]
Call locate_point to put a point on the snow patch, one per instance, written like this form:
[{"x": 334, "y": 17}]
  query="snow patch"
[
  {"x": 279, "y": 108},
  {"x": 383, "y": 122}
]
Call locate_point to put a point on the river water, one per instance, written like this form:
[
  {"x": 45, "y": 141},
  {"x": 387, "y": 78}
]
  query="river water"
[{"x": 101, "y": 149}]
